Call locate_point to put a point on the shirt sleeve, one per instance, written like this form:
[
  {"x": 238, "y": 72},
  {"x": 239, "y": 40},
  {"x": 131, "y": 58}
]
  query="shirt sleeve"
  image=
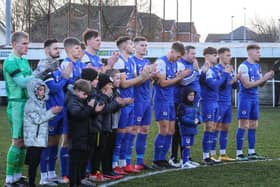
[
  {"x": 64, "y": 64},
  {"x": 243, "y": 69},
  {"x": 85, "y": 59},
  {"x": 209, "y": 74},
  {"x": 161, "y": 67},
  {"x": 180, "y": 67},
  {"x": 119, "y": 64}
]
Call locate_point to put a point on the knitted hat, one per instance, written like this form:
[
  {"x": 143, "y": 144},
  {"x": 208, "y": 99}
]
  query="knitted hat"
[
  {"x": 103, "y": 79},
  {"x": 89, "y": 74}
]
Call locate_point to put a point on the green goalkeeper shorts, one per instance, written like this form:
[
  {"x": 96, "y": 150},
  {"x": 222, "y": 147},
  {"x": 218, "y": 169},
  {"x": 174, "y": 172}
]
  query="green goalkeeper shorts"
[{"x": 15, "y": 112}]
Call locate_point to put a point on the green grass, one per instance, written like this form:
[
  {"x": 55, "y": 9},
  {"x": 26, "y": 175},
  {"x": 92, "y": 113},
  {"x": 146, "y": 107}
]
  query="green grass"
[{"x": 245, "y": 174}]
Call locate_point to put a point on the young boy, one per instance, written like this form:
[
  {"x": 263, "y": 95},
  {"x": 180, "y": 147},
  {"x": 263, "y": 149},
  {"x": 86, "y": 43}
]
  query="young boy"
[
  {"x": 188, "y": 118},
  {"x": 116, "y": 76},
  {"x": 103, "y": 154},
  {"x": 36, "y": 117},
  {"x": 92, "y": 76},
  {"x": 78, "y": 112}
]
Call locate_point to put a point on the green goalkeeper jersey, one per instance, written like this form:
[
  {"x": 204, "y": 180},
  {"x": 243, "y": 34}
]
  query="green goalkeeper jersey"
[{"x": 17, "y": 73}]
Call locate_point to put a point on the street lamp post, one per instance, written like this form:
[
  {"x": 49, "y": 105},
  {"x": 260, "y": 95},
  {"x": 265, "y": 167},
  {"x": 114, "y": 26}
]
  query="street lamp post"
[
  {"x": 231, "y": 36},
  {"x": 244, "y": 24},
  {"x": 8, "y": 21},
  {"x": 279, "y": 30}
]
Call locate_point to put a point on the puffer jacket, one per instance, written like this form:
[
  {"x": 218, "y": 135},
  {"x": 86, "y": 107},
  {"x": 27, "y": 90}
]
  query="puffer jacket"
[
  {"x": 111, "y": 106},
  {"x": 187, "y": 113},
  {"x": 36, "y": 116}
]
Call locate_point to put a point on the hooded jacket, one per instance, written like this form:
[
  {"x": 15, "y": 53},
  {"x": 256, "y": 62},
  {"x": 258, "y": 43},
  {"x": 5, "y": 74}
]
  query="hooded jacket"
[
  {"x": 187, "y": 113},
  {"x": 36, "y": 116}
]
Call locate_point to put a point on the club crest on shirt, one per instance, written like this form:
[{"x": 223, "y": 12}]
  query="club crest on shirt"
[
  {"x": 188, "y": 140},
  {"x": 51, "y": 129},
  {"x": 139, "y": 119}
]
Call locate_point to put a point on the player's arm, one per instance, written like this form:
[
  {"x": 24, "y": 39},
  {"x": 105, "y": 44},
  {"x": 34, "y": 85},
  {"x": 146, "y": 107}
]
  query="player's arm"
[
  {"x": 131, "y": 82},
  {"x": 17, "y": 75},
  {"x": 213, "y": 83},
  {"x": 161, "y": 75},
  {"x": 189, "y": 79},
  {"x": 244, "y": 78}
]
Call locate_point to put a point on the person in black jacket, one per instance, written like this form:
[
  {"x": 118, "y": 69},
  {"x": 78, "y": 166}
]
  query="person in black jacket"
[
  {"x": 78, "y": 113},
  {"x": 95, "y": 126}
]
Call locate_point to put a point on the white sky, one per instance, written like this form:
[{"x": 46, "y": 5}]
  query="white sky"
[{"x": 214, "y": 16}]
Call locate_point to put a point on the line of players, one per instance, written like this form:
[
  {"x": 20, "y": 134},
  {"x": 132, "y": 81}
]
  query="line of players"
[{"x": 170, "y": 75}]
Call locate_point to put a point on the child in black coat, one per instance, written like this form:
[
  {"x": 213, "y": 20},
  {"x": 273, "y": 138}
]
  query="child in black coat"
[{"x": 78, "y": 112}]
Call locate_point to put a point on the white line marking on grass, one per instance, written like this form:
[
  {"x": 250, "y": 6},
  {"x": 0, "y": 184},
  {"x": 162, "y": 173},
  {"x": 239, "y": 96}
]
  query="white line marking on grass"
[{"x": 179, "y": 169}]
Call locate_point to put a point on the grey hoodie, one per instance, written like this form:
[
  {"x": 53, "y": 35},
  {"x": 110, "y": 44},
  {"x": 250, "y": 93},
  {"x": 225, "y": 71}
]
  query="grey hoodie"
[{"x": 36, "y": 116}]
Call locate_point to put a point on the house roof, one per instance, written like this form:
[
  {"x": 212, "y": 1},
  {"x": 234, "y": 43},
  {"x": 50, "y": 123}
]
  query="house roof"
[
  {"x": 150, "y": 25},
  {"x": 238, "y": 35},
  {"x": 167, "y": 24},
  {"x": 186, "y": 27},
  {"x": 213, "y": 37}
]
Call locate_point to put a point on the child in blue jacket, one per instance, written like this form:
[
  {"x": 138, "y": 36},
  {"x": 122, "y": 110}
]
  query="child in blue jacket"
[{"x": 189, "y": 118}]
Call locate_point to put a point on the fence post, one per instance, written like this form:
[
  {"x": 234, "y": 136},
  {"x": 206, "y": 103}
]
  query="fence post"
[{"x": 273, "y": 93}]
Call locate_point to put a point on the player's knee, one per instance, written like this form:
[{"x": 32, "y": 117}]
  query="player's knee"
[
  {"x": 171, "y": 131},
  {"x": 209, "y": 127},
  {"x": 18, "y": 143},
  {"x": 225, "y": 127},
  {"x": 144, "y": 130},
  {"x": 133, "y": 130},
  {"x": 243, "y": 124},
  {"x": 163, "y": 130}
]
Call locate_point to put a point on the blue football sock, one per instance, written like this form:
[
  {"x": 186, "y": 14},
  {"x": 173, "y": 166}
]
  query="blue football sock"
[
  {"x": 159, "y": 147},
  {"x": 53, "y": 157},
  {"x": 168, "y": 140},
  {"x": 123, "y": 147},
  {"x": 140, "y": 148},
  {"x": 44, "y": 162},
  {"x": 214, "y": 140},
  {"x": 223, "y": 140},
  {"x": 185, "y": 154},
  {"x": 117, "y": 148},
  {"x": 64, "y": 161},
  {"x": 130, "y": 142},
  {"x": 206, "y": 141},
  {"x": 239, "y": 138},
  {"x": 251, "y": 138}
]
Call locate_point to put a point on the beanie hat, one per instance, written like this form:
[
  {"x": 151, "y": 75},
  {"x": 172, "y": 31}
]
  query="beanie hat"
[
  {"x": 103, "y": 79},
  {"x": 89, "y": 74}
]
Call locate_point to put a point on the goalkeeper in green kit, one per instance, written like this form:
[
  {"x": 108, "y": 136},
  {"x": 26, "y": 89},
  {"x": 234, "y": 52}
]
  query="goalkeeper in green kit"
[{"x": 17, "y": 74}]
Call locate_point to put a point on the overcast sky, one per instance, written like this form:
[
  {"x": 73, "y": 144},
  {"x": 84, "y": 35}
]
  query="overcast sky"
[{"x": 214, "y": 16}]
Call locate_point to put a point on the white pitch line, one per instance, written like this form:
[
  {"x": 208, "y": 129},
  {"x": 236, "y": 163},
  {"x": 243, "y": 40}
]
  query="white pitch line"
[{"x": 178, "y": 169}]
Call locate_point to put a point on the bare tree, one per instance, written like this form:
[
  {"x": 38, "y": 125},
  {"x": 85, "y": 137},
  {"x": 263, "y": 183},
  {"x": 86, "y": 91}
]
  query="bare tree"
[
  {"x": 2, "y": 11},
  {"x": 266, "y": 29}
]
